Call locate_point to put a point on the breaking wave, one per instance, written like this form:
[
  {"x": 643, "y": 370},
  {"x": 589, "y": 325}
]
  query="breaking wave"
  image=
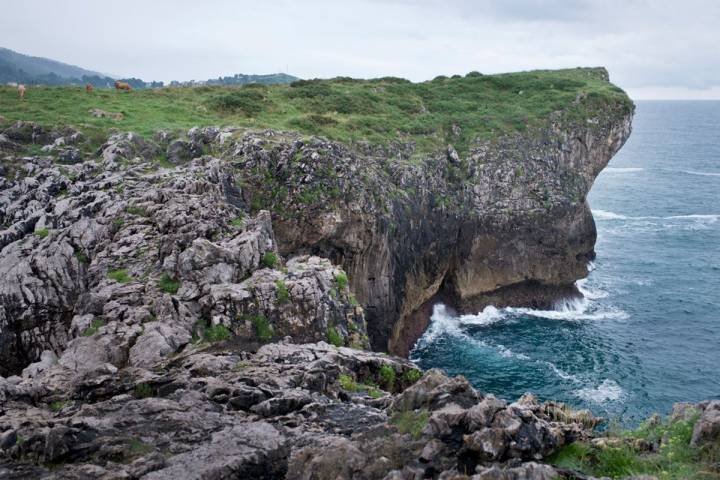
[{"x": 607, "y": 391}]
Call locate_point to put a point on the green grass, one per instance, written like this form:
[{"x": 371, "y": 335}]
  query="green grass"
[
  {"x": 334, "y": 337},
  {"x": 269, "y": 259},
  {"x": 282, "y": 293},
  {"x": 348, "y": 383},
  {"x": 143, "y": 390},
  {"x": 216, "y": 333},
  {"x": 168, "y": 284},
  {"x": 58, "y": 406},
  {"x": 387, "y": 376},
  {"x": 139, "y": 211},
  {"x": 341, "y": 280},
  {"x": 237, "y": 222},
  {"x": 81, "y": 257},
  {"x": 411, "y": 422},
  {"x": 263, "y": 330},
  {"x": 93, "y": 328},
  {"x": 379, "y": 110},
  {"x": 411, "y": 376},
  {"x": 120, "y": 276},
  {"x": 676, "y": 459},
  {"x": 42, "y": 232},
  {"x": 138, "y": 447}
]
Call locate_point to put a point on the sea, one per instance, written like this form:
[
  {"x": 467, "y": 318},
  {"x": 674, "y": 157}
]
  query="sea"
[{"x": 646, "y": 333}]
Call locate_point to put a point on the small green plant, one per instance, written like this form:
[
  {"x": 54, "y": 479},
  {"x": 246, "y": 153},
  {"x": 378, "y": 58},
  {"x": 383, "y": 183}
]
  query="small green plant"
[
  {"x": 374, "y": 392},
  {"x": 139, "y": 211},
  {"x": 216, "y": 333},
  {"x": 352, "y": 300},
  {"x": 238, "y": 222},
  {"x": 138, "y": 447},
  {"x": 143, "y": 390},
  {"x": 42, "y": 232},
  {"x": 58, "y": 406},
  {"x": 269, "y": 259},
  {"x": 241, "y": 365},
  {"x": 411, "y": 422},
  {"x": 93, "y": 328},
  {"x": 282, "y": 293},
  {"x": 334, "y": 337},
  {"x": 341, "y": 280},
  {"x": 118, "y": 222},
  {"x": 411, "y": 376},
  {"x": 81, "y": 257},
  {"x": 263, "y": 329},
  {"x": 168, "y": 284},
  {"x": 121, "y": 276},
  {"x": 348, "y": 383},
  {"x": 387, "y": 376}
]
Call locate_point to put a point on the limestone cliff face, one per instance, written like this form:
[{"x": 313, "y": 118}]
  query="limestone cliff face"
[
  {"x": 146, "y": 254},
  {"x": 507, "y": 224}
]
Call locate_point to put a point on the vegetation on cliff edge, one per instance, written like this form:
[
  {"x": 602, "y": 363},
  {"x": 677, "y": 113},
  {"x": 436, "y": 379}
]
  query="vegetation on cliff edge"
[{"x": 456, "y": 110}]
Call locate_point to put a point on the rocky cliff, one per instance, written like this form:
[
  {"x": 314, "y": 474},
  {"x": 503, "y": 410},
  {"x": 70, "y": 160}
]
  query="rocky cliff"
[
  {"x": 508, "y": 224},
  {"x": 153, "y": 288}
]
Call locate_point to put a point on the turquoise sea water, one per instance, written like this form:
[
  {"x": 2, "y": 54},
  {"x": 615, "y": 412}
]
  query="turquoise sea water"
[{"x": 647, "y": 333}]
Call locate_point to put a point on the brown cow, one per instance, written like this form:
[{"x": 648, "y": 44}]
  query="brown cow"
[
  {"x": 21, "y": 91},
  {"x": 89, "y": 88},
  {"x": 122, "y": 86}
]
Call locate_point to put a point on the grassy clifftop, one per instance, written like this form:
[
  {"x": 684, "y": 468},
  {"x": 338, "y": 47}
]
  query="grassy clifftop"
[{"x": 457, "y": 110}]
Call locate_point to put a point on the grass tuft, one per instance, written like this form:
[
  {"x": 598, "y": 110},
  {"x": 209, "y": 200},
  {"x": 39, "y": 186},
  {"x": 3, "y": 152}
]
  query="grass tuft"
[
  {"x": 387, "y": 376},
  {"x": 120, "y": 276},
  {"x": 93, "y": 328},
  {"x": 411, "y": 422},
  {"x": 282, "y": 293},
  {"x": 269, "y": 259},
  {"x": 42, "y": 232},
  {"x": 168, "y": 284},
  {"x": 334, "y": 337}
]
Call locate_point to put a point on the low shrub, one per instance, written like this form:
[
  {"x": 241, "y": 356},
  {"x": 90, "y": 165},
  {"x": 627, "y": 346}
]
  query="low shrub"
[
  {"x": 411, "y": 422},
  {"x": 42, "y": 232},
  {"x": 93, "y": 328},
  {"x": 216, "y": 333},
  {"x": 269, "y": 259},
  {"x": 411, "y": 376},
  {"x": 121, "y": 276},
  {"x": 281, "y": 292},
  {"x": 168, "y": 284},
  {"x": 387, "y": 376},
  {"x": 334, "y": 337},
  {"x": 143, "y": 390},
  {"x": 341, "y": 280},
  {"x": 263, "y": 329}
]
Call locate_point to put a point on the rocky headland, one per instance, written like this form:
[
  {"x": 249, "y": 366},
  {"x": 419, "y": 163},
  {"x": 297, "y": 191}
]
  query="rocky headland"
[{"x": 205, "y": 304}]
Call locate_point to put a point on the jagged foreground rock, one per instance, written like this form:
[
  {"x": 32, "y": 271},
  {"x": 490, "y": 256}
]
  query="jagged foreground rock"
[{"x": 286, "y": 411}]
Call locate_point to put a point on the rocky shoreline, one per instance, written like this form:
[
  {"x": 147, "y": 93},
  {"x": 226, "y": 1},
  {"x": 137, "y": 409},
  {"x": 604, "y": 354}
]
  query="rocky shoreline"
[{"x": 203, "y": 305}]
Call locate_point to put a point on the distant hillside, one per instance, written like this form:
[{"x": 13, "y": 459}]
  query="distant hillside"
[
  {"x": 19, "y": 68},
  {"x": 39, "y": 66}
]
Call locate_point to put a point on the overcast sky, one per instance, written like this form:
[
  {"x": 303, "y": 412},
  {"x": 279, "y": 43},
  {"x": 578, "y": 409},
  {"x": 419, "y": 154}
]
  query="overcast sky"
[{"x": 653, "y": 49}]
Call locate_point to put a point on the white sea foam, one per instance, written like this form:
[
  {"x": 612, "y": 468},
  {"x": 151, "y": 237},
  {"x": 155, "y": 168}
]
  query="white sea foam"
[
  {"x": 572, "y": 309},
  {"x": 703, "y": 174},
  {"x": 709, "y": 218},
  {"x": 559, "y": 372},
  {"x": 591, "y": 293},
  {"x": 488, "y": 316},
  {"x": 622, "y": 169},
  {"x": 607, "y": 391},
  {"x": 606, "y": 215}
]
